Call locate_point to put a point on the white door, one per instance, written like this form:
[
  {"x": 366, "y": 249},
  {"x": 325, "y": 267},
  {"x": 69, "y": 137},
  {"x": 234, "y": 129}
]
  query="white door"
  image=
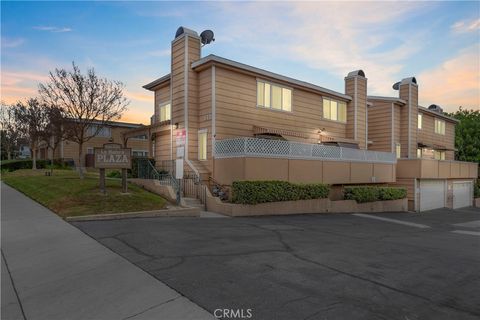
[
  {"x": 462, "y": 194},
  {"x": 432, "y": 194}
]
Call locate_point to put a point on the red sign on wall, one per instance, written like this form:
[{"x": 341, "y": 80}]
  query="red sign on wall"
[{"x": 181, "y": 137}]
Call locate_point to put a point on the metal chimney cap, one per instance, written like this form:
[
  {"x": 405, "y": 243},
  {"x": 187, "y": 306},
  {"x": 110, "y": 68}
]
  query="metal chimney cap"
[
  {"x": 182, "y": 30},
  {"x": 410, "y": 80},
  {"x": 356, "y": 73}
]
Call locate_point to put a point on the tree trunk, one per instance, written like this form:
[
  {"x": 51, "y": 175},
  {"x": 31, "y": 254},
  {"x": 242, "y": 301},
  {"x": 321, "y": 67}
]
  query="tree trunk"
[
  {"x": 34, "y": 159},
  {"x": 51, "y": 161},
  {"x": 81, "y": 161}
]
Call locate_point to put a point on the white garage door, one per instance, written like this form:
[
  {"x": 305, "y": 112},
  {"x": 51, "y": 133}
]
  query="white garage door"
[
  {"x": 432, "y": 194},
  {"x": 462, "y": 194}
]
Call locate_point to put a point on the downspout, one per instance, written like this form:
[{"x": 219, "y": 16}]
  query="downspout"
[
  {"x": 409, "y": 118},
  {"x": 355, "y": 111},
  {"x": 214, "y": 129},
  {"x": 393, "y": 129},
  {"x": 185, "y": 97}
]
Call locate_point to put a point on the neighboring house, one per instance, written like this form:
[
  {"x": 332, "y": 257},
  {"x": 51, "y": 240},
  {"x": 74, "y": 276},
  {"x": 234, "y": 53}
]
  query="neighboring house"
[
  {"x": 24, "y": 151},
  {"x": 112, "y": 132},
  {"x": 230, "y": 121},
  {"x": 424, "y": 141}
]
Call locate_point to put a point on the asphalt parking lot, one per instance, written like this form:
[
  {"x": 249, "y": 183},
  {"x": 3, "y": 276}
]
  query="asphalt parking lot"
[{"x": 334, "y": 266}]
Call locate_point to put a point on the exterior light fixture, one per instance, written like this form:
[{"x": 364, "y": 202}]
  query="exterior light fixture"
[{"x": 175, "y": 126}]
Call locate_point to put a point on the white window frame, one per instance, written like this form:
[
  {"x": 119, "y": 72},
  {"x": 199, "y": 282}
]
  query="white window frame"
[
  {"x": 398, "y": 150},
  {"x": 439, "y": 154},
  {"x": 440, "y": 126},
  {"x": 270, "y": 107},
  {"x": 420, "y": 121},
  {"x": 167, "y": 116},
  {"x": 201, "y": 132},
  {"x": 140, "y": 139},
  {"x": 330, "y": 111},
  {"x": 90, "y": 150},
  {"x": 98, "y": 134}
]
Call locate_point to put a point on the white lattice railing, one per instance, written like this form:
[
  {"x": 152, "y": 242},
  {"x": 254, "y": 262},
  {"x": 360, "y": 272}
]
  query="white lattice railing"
[{"x": 254, "y": 147}]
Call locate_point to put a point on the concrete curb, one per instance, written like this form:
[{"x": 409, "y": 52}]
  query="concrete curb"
[{"x": 182, "y": 212}]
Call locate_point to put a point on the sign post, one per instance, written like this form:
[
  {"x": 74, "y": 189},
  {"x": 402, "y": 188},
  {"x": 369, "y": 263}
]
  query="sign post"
[{"x": 113, "y": 156}]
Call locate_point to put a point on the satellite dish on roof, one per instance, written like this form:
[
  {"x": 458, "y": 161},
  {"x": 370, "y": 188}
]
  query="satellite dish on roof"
[
  {"x": 206, "y": 37},
  {"x": 396, "y": 85}
]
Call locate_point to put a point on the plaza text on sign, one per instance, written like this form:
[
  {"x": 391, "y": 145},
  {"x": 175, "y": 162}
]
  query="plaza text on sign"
[{"x": 113, "y": 158}]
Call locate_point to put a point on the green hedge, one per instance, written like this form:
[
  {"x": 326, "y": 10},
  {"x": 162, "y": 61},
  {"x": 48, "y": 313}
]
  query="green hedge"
[
  {"x": 476, "y": 189},
  {"x": 253, "y": 192},
  {"x": 369, "y": 194},
  {"x": 27, "y": 164}
]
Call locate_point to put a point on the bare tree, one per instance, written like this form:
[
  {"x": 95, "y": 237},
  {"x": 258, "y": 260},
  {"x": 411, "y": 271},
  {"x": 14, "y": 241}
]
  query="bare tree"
[
  {"x": 32, "y": 120},
  {"x": 87, "y": 101},
  {"x": 10, "y": 135},
  {"x": 55, "y": 131}
]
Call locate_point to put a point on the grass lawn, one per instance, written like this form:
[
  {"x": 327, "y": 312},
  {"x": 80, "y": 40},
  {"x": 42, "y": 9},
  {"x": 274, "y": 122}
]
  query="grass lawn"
[{"x": 67, "y": 195}]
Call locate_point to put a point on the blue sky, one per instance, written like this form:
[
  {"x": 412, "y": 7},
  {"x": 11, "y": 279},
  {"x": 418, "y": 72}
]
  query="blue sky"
[{"x": 319, "y": 42}]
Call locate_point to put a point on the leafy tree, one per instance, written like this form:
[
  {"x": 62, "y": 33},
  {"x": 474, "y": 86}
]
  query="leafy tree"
[
  {"x": 32, "y": 120},
  {"x": 55, "y": 131},
  {"x": 87, "y": 101},
  {"x": 10, "y": 135},
  {"x": 467, "y": 135}
]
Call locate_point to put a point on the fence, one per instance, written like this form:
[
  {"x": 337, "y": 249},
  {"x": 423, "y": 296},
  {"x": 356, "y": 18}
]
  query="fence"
[
  {"x": 145, "y": 170},
  {"x": 254, "y": 147},
  {"x": 164, "y": 171}
]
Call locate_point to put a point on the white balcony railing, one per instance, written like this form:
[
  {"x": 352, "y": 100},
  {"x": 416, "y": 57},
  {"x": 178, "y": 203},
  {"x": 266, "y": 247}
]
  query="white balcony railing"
[{"x": 264, "y": 148}]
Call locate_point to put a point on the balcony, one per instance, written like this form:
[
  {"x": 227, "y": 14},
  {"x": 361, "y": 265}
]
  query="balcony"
[
  {"x": 247, "y": 158},
  {"x": 436, "y": 169},
  {"x": 263, "y": 148}
]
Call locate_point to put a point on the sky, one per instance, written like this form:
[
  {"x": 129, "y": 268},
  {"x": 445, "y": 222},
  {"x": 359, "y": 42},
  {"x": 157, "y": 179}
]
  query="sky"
[{"x": 317, "y": 42}]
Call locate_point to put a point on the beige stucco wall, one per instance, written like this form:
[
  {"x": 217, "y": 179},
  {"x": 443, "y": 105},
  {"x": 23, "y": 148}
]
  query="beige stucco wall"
[
  {"x": 435, "y": 169},
  {"x": 301, "y": 171}
]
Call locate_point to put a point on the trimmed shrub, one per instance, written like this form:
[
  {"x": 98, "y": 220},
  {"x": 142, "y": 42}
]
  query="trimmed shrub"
[
  {"x": 254, "y": 192},
  {"x": 363, "y": 194},
  {"x": 23, "y": 164}
]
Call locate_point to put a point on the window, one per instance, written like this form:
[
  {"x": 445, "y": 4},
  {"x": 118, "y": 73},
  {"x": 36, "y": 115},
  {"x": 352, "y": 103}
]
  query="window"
[
  {"x": 165, "y": 112},
  {"x": 140, "y": 137},
  {"x": 419, "y": 153},
  {"x": 273, "y": 96},
  {"x": 139, "y": 153},
  {"x": 202, "y": 145},
  {"x": 398, "y": 150},
  {"x": 439, "y": 155},
  {"x": 89, "y": 150},
  {"x": 420, "y": 121},
  {"x": 439, "y": 126},
  {"x": 334, "y": 110},
  {"x": 104, "y": 132}
]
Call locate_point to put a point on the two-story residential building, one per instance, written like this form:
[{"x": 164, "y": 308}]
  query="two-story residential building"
[
  {"x": 231, "y": 121},
  {"x": 113, "y": 131},
  {"x": 423, "y": 140}
]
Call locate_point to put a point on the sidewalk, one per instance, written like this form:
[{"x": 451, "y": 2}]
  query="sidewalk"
[{"x": 58, "y": 272}]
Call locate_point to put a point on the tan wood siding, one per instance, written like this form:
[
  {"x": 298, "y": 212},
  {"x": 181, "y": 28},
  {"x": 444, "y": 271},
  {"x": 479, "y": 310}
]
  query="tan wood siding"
[
  {"x": 380, "y": 126},
  {"x": 236, "y": 111}
]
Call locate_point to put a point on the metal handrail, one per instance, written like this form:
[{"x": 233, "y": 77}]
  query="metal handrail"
[{"x": 164, "y": 178}]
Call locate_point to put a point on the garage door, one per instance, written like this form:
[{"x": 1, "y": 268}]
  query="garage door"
[
  {"x": 462, "y": 194},
  {"x": 432, "y": 194}
]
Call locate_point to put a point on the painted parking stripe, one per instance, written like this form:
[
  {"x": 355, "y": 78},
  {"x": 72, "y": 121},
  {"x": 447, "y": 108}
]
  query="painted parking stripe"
[
  {"x": 471, "y": 233},
  {"x": 411, "y": 224},
  {"x": 470, "y": 224}
]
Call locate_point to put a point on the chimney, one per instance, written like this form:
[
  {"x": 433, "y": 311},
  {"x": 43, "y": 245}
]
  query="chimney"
[
  {"x": 183, "y": 86},
  {"x": 408, "y": 91},
  {"x": 356, "y": 87}
]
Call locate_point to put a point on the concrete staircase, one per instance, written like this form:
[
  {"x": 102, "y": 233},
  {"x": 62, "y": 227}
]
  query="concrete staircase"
[
  {"x": 193, "y": 202},
  {"x": 202, "y": 171}
]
